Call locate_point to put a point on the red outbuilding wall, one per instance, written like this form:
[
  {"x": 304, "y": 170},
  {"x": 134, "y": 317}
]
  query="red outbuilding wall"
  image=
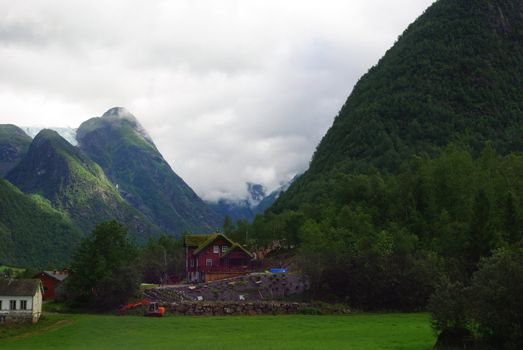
[{"x": 50, "y": 285}]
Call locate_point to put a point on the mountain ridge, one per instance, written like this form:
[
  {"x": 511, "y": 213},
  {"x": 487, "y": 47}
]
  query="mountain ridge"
[
  {"x": 75, "y": 184},
  {"x": 256, "y": 202},
  {"x": 122, "y": 147},
  {"x": 14, "y": 144}
]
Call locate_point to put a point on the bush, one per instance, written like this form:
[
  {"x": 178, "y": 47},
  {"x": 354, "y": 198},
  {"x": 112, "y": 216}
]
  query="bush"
[
  {"x": 321, "y": 308},
  {"x": 105, "y": 270},
  {"x": 447, "y": 306},
  {"x": 496, "y": 299},
  {"x": 491, "y": 308}
]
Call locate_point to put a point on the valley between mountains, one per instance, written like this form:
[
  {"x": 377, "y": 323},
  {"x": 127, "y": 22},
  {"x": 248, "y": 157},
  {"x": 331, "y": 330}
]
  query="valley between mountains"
[{"x": 111, "y": 169}]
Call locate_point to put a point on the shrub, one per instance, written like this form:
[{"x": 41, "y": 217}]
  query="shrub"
[
  {"x": 491, "y": 308},
  {"x": 447, "y": 306},
  {"x": 496, "y": 299}
]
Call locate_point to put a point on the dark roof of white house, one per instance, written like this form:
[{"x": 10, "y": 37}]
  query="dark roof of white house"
[{"x": 19, "y": 287}]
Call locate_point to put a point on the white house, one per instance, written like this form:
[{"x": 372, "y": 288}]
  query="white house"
[{"x": 20, "y": 300}]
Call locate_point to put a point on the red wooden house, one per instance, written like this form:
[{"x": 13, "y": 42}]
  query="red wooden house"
[
  {"x": 213, "y": 257},
  {"x": 51, "y": 280}
]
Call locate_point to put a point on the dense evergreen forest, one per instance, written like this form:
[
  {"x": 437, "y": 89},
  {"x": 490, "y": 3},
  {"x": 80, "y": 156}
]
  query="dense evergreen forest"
[
  {"x": 27, "y": 224},
  {"x": 421, "y": 173},
  {"x": 380, "y": 240},
  {"x": 455, "y": 75}
]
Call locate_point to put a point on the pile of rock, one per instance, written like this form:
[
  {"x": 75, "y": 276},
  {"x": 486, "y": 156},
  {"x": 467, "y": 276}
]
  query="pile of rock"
[
  {"x": 166, "y": 295},
  {"x": 253, "y": 287}
]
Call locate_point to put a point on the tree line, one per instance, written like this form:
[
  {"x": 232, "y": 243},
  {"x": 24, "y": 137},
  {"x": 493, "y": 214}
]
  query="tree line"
[
  {"x": 108, "y": 267},
  {"x": 388, "y": 241}
]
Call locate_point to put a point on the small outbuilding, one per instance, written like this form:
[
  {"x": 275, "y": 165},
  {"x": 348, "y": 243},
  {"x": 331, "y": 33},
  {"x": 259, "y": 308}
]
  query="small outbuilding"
[
  {"x": 51, "y": 280},
  {"x": 20, "y": 300}
]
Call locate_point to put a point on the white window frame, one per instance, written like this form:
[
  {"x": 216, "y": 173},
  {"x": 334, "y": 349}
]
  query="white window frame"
[
  {"x": 224, "y": 248},
  {"x": 11, "y": 303},
  {"x": 208, "y": 263},
  {"x": 192, "y": 262},
  {"x": 216, "y": 249},
  {"x": 23, "y": 304},
  {"x": 1, "y": 304}
]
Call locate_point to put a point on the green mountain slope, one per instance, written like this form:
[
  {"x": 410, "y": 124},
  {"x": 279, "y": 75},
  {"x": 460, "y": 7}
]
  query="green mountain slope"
[
  {"x": 60, "y": 172},
  {"x": 420, "y": 175},
  {"x": 130, "y": 159},
  {"x": 455, "y": 75},
  {"x": 14, "y": 143},
  {"x": 32, "y": 232}
]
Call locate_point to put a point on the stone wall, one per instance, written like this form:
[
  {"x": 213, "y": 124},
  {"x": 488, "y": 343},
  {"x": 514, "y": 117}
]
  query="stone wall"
[
  {"x": 17, "y": 317},
  {"x": 234, "y": 308}
]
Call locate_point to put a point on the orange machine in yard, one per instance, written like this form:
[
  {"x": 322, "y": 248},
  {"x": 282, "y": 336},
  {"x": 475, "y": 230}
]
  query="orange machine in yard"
[{"x": 153, "y": 309}]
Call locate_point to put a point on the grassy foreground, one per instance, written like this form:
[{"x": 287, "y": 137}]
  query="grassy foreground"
[{"x": 358, "y": 332}]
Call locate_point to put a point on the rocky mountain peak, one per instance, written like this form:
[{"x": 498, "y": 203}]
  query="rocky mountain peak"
[{"x": 119, "y": 113}]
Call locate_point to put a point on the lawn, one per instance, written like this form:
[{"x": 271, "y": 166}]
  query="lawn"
[{"x": 358, "y": 332}]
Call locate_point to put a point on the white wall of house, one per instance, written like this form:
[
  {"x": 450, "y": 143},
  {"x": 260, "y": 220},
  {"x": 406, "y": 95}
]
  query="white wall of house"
[
  {"x": 33, "y": 306},
  {"x": 6, "y": 303},
  {"x": 37, "y": 305}
]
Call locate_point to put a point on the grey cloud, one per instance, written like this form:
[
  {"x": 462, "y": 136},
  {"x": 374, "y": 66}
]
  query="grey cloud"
[
  {"x": 14, "y": 32},
  {"x": 230, "y": 91}
]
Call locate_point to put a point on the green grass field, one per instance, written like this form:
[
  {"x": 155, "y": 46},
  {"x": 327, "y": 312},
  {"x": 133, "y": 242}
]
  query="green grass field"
[{"x": 358, "y": 332}]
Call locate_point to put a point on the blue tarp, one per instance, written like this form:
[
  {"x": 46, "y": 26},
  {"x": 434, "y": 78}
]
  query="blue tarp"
[{"x": 278, "y": 270}]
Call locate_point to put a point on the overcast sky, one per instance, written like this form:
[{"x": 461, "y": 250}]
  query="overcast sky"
[{"x": 230, "y": 91}]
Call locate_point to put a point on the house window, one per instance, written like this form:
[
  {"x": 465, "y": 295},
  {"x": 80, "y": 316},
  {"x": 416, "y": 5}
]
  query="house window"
[
  {"x": 23, "y": 304},
  {"x": 12, "y": 304},
  {"x": 216, "y": 249},
  {"x": 192, "y": 262},
  {"x": 224, "y": 248},
  {"x": 0, "y": 304},
  {"x": 208, "y": 262}
]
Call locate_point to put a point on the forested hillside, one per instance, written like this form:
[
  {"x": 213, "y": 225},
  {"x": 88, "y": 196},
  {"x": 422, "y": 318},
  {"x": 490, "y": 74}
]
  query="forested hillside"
[
  {"x": 420, "y": 174},
  {"x": 74, "y": 184},
  {"x": 455, "y": 75},
  {"x": 14, "y": 143},
  {"x": 32, "y": 233},
  {"x": 67, "y": 183}
]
